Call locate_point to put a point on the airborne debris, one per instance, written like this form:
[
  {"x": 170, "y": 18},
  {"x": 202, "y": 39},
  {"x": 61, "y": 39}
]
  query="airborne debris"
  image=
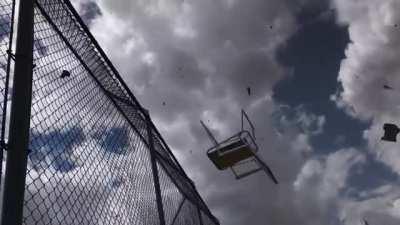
[
  {"x": 65, "y": 73},
  {"x": 390, "y": 132},
  {"x": 163, "y": 103},
  {"x": 365, "y": 222},
  {"x": 387, "y": 87},
  {"x": 248, "y": 91},
  {"x": 239, "y": 152}
]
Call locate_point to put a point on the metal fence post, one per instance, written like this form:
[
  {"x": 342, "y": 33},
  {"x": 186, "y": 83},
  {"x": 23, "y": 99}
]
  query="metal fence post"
[
  {"x": 155, "y": 170},
  {"x": 14, "y": 185},
  {"x": 199, "y": 212}
]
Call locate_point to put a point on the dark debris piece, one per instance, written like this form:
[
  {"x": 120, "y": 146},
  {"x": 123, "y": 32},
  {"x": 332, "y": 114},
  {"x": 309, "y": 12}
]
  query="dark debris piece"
[
  {"x": 163, "y": 103},
  {"x": 248, "y": 91},
  {"x": 65, "y": 73},
  {"x": 387, "y": 87},
  {"x": 390, "y": 132}
]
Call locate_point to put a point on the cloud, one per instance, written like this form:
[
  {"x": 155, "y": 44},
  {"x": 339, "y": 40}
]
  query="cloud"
[
  {"x": 98, "y": 187},
  {"x": 297, "y": 125},
  {"x": 379, "y": 208},
  {"x": 5, "y": 26},
  {"x": 89, "y": 11},
  {"x": 328, "y": 174},
  {"x": 319, "y": 183},
  {"x": 370, "y": 58},
  {"x": 371, "y": 63}
]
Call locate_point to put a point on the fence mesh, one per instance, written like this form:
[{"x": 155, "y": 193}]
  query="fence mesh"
[{"x": 89, "y": 158}]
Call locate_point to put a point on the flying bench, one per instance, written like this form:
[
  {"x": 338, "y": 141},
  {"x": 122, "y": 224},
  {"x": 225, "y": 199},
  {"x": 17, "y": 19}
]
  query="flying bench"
[{"x": 238, "y": 152}]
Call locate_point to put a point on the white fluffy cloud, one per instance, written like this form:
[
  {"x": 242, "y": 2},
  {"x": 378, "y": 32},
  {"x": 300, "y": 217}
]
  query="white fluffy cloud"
[
  {"x": 380, "y": 207},
  {"x": 372, "y": 63},
  {"x": 328, "y": 175},
  {"x": 371, "y": 58}
]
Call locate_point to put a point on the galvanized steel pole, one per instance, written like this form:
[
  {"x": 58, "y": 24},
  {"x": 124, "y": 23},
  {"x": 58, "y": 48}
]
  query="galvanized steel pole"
[{"x": 14, "y": 185}]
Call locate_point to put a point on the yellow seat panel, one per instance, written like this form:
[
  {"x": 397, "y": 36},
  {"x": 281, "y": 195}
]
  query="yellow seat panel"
[{"x": 227, "y": 156}]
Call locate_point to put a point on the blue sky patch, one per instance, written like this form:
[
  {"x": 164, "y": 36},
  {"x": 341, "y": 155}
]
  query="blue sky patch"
[{"x": 314, "y": 75}]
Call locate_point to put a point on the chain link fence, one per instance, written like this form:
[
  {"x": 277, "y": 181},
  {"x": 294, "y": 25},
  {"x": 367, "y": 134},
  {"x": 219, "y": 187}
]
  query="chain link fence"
[{"x": 95, "y": 157}]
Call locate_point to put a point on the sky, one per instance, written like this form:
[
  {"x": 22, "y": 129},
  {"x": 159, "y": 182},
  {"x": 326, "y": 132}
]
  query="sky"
[{"x": 316, "y": 71}]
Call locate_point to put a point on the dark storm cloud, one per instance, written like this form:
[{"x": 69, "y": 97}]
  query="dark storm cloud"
[{"x": 89, "y": 10}]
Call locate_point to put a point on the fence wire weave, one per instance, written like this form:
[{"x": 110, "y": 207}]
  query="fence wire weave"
[{"x": 89, "y": 157}]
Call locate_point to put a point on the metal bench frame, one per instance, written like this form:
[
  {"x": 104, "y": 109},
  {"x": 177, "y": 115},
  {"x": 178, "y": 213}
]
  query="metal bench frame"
[{"x": 240, "y": 136}]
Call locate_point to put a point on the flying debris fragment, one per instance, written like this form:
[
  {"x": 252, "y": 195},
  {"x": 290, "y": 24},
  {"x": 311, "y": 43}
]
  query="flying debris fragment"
[
  {"x": 365, "y": 222},
  {"x": 248, "y": 91},
  {"x": 391, "y": 131},
  {"x": 65, "y": 73},
  {"x": 387, "y": 87},
  {"x": 239, "y": 152},
  {"x": 163, "y": 103}
]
